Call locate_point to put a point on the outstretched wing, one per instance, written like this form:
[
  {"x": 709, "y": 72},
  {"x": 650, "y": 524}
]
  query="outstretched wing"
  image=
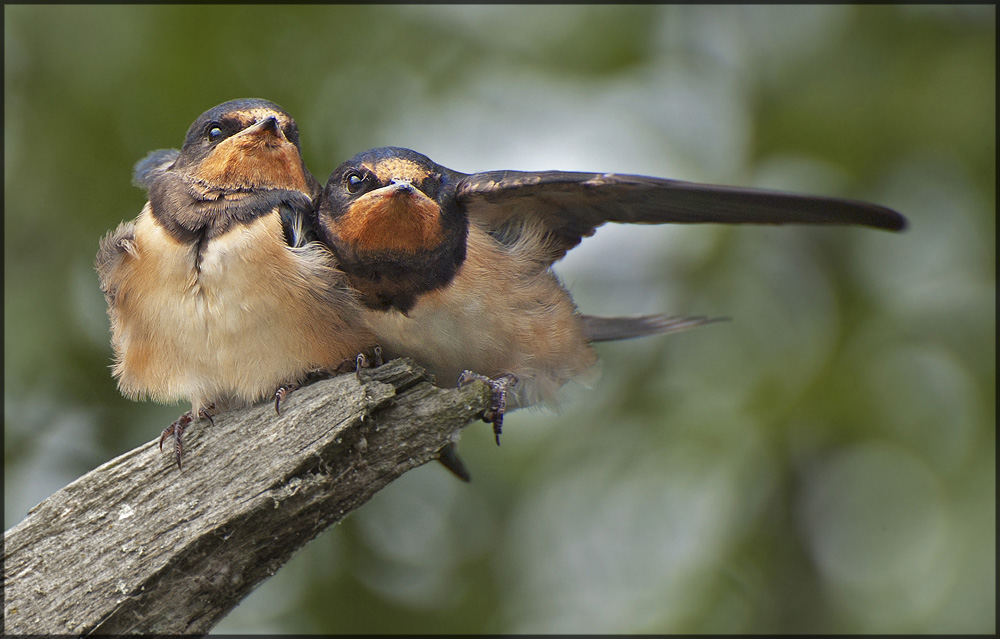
[{"x": 570, "y": 206}]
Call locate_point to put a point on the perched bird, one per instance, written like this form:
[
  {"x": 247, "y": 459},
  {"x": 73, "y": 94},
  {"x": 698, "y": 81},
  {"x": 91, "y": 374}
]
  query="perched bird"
[
  {"x": 455, "y": 269},
  {"x": 216, "y": 292}
]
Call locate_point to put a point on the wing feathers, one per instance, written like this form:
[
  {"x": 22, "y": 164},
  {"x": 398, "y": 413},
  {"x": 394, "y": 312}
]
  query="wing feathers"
[
  {"x": 155, "y": 163},
  {"x": 572, "y": 205}
]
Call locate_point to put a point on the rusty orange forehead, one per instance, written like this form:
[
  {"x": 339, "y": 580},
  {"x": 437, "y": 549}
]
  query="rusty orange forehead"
[
  {"x": 249, "y": 117},
  {"x": 388, "y": 169}
]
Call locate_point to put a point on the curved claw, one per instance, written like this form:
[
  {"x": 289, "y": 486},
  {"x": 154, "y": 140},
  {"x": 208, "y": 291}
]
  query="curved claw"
[
  {"x": 282, "y": 394},
  {"x": 499, "y": 386},
  {"x": 362, "y": 361},
  {"x": 177, "y": 428}
]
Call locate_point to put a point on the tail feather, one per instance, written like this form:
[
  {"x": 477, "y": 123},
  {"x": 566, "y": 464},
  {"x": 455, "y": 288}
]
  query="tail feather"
[{"x": 606, "y": 329}]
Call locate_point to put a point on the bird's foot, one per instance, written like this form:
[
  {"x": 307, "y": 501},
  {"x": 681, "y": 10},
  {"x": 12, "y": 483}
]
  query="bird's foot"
[
  {"x": 180, "y": 424},
  {"x": 499, "y": 386},
  {"x": 315, "y": 375},
  {"x": 282, "y": 394},
  {"x": 362, "y": 360}
]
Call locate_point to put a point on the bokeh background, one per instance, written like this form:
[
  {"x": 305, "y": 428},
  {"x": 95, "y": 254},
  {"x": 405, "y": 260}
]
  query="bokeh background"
[{"x": 824, "y": 462}]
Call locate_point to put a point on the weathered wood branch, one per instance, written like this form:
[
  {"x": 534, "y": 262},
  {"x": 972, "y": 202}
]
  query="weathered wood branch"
[{"x": 137, "y": 546}]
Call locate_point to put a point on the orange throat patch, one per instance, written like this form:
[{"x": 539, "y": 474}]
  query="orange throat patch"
[
  {"x": 254, "y": 163},
  {"x": 405, "y": 221}
]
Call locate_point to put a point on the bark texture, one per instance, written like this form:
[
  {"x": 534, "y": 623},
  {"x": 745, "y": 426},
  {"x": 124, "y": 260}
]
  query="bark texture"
[{"x": 137, "y": 546}]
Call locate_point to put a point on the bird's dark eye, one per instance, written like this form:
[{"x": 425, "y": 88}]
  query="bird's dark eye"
[
  {"x": 355, "y": 182},
  {"x": 215, "y": 134}
]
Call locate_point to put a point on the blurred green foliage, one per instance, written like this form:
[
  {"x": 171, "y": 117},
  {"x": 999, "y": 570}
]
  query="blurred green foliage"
[{"x": 825, "y": 462}]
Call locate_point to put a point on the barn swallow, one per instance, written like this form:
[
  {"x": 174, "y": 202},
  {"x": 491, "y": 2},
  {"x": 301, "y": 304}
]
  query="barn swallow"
[
  {"x": 217, "y": 293},
  {"x": 455, "y": 268}
]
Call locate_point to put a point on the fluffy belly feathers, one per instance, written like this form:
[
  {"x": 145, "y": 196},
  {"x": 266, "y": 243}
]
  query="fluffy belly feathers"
[
  {"x": 230, "y": 326},
  {"x": 489, "y": 320}
]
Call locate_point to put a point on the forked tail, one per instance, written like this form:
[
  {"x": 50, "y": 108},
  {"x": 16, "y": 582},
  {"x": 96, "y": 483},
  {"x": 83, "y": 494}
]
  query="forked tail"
[{"x": 606, "y": 329}]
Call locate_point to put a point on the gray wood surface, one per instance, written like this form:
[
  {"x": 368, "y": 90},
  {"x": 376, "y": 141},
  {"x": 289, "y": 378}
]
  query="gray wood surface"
[{"x": 138, "y": 546}]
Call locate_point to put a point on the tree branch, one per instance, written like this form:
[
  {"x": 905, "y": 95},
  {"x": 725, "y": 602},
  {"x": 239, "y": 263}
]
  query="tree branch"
[{"x": 137, "y": 546}]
